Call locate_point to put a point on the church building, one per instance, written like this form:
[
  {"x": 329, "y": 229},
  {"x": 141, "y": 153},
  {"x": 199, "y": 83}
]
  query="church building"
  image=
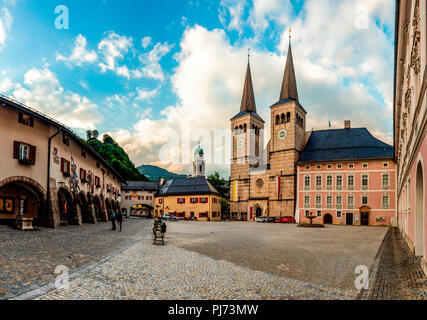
[{"x": 270, "y": 181}]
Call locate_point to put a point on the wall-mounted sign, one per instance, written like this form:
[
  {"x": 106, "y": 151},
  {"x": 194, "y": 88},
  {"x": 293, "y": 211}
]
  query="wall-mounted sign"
[{"x": 55, "y": 156}]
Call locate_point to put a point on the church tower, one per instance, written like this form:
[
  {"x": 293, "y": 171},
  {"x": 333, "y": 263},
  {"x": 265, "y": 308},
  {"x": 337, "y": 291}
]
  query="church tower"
[
  {"x": 288, "y": 122},
  {"x": 247, "y": 143},
  {"x": 199, "y": 164}
]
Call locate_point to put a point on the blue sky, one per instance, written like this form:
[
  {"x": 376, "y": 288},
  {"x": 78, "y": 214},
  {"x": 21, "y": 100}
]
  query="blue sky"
[{"x": 145, "y": 71}]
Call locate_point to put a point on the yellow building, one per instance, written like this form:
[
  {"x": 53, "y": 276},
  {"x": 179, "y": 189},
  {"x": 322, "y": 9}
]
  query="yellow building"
[{"x": 190, "y": 198}]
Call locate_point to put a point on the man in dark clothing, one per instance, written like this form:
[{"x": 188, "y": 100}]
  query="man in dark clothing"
[
  {"x": 119, "y": 218},
  {"x": 113, "y": 220}
]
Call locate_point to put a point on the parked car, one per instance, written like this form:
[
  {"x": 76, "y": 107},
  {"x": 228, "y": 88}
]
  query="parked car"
[
  {"x": 174, "y": 218},
  {"x": 265, "y": 219},
  {"x": 287, "y": 220},
  {"x": 270, "y": 220},
  {"x": 260, "y": 219},
  {"x": 166, "y": 217},
  {"x": 277, "y": 219}
]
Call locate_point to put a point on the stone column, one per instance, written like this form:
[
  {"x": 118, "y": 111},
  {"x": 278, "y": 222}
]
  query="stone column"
[{"x": 53, "y": 214}]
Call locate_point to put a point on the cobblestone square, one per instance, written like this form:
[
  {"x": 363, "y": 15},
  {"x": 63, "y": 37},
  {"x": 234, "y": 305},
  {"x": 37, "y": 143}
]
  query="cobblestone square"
[{"x": 236, "y": 260}]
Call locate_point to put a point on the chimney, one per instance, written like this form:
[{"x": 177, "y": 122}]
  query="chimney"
[
  {"x": 161, "y": 181},
  {"x": 347, "y": 124}
]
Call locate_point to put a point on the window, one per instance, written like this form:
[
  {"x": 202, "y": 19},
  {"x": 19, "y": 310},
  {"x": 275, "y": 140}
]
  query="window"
[
  {"x": 329, "y": 201},
  {"x": 386, "y": 201},
  {"x": 24, "y": 153},
  {"x": 203, "y": 200},
  {"x": 307, "y": 181},
  {"x": 350, "y": 201},
  {"x": 203, "y": 214},
  {"x": 319, "y": 167},
  {"x": 365, "y": 199},
  {"x": 83, "y": 174},
  {"x": 318, "y": 201},
  {"x": 194, "y": 200},
  {"x": 339, "y": 182},
  {"x": 329, "y": 182},
  {"x": 385, "y": 164},
  {"x": 160, "y": 201},
  {"x": 181, "y": 200},
  {"x": 307, "y": 167},
  {"x": 307, "y": 201},
  {"x": 140, "y": 197},
  {"x": 339, "y": 166},
  {"x": 277, "y": 119},
  {"x": 97, "y": 182},
  {"x": 307, "y": 213},
  {"x": 350, "y": 182},
  {"x": 329, "y": 166},
  {"x": 319, "y": 213},
  {"x": 25, "y": 120},
  {"x": 83, "y": 153},
  {"x": 149, "y": 198},
  {"x": 65, "y": 140},
  {"x": 339, "y": 214},
  {"x": 385, "y": 181},
  {"x": 98, "y": 165},
  {"x": 365, "y": 165},
  {"x": 351, "y": 166},
  {"x": 318, "y": 182},
  {"x": 339, "y": 200},
  {"x": 65, "y": 167},
  {"x": 365, "y": 181}
]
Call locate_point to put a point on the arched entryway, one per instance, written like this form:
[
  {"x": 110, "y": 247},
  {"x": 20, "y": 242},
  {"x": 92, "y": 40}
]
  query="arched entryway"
[
  {"x": 327, "y": 219},
  {"x": 419, "y": 212},
  {"x": 67, "y": 209},
  {"x": 364, "y": 216},
  {"x": 84, "y": 208},
  {"x": 25, "y": 197},
  {"x": 258, "y": 212},
  {"x": 98, "y": 208}
]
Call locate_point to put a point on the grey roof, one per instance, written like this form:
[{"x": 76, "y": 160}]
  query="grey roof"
[
  {"x": 140, "y": 185},
  {"x": 242, "y": 113},
  {"x": 344, "y": 144},
  {"x": 248, "y": 97},
  {"x": 187, "y": 186},
  {"x": 289, "y": 84}
]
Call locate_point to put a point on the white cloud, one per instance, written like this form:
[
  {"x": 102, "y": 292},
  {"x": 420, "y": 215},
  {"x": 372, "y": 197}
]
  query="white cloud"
[
  {"x": 5, "y": 85},
  {"x": 113, "y": 48},
  {"x": 5, "y": 25},
  {"x": 43, "y": 91},
  {"x": 146, "y": 94},
  {"x": 80, "y": 54},
  {"x": 151, "y": 62},
  {"x": 231, "y": 14},
  {"x": 145, "y": 42}
]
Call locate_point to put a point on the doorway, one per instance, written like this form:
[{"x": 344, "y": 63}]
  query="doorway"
[
  {"x": 327, "y": 219},
  {"x": 364, "y": 218},
  {"x": 419, "y": 212},
  {"x": 349, "y": 219}
]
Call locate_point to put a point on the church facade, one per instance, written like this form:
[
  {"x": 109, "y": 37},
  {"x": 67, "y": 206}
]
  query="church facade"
[{"x": 341, "y": 176}]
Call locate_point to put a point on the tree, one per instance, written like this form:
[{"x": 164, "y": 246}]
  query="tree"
[
  {"x": 95, "y": 134},
  {"x": 89, "y": 134},
  {"x": 220, "y": 184}
]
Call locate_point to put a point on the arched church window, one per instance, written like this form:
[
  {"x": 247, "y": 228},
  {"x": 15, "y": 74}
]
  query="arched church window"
[
  {"x": 283, "y": 118},
  {"x": 244, "y": 127},
  {"x": 288, "y": 117},
  {"x": 277, "y": 119}
]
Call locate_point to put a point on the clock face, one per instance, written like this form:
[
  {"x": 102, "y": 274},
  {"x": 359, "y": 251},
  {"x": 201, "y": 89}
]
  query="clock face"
[
  {"x": 283, "y": 134},
  {"x": 240, "y": 142}
]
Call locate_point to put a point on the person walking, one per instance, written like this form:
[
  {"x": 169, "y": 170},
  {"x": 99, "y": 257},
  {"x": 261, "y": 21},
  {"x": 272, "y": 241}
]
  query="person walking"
[
  {"x": 119, "y": 218},
  {"x": 113, "y": 220}
]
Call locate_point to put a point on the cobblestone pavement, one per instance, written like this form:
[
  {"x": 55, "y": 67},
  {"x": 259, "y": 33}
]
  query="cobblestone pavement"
[
  {"x": 167, "y": 272},
  {"x": 323, "y": 256},
  {"x": 28, "y": 259},
  {"x": 399, "y": 274}
]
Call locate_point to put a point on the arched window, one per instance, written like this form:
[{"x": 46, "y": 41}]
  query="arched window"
[
  {"x": 288, "y": 117},
  {"x": 283, "y": 118},
  {"x": 244, "y": 127},
  {"x": 277, "y": 119}
]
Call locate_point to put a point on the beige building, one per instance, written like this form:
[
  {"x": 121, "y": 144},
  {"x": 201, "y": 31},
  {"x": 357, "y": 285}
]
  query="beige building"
[
  {"x": 138, "y": 196},
  {"x": 410, "y": 124},
  {"x": 49, "y": 174}
]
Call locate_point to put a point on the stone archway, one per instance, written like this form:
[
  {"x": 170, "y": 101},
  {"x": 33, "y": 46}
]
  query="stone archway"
[
  {"x": 24, "y": 196},
  {"x": 68, "y": 213},
  {"x": 419, "y": 211},
  {"x": 97, "y": 204},
  {"x": 84, "y": 208},
  {"x": 364, "y": 215},
  {"x": 327, "y": 219}
]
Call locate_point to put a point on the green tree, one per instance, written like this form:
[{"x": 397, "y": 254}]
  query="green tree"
[{"x": 219, "y": 183}]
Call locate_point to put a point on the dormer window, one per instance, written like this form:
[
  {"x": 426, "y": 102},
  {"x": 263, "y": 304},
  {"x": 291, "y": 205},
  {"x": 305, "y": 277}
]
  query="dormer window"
[{"x": 25, "y": 120}]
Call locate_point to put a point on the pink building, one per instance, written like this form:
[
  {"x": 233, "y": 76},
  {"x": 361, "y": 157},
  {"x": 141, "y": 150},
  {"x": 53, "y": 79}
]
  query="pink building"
[
  {"x": 410, "y": 124},
  {"x": 346, "y": 177}
]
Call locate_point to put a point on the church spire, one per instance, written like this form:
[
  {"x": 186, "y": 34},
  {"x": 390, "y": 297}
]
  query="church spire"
[
  {"x": 289, "y": 85},
  {"x": 248, "y": 98}
]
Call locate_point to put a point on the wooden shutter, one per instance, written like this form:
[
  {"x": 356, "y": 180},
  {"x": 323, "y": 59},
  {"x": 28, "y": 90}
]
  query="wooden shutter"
[
  {"x": 68, "y": 166},
  {"x": 33, "y": 151},
  {"x": 16, "y": 149},
  {"x": 62, "y": 165}
]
